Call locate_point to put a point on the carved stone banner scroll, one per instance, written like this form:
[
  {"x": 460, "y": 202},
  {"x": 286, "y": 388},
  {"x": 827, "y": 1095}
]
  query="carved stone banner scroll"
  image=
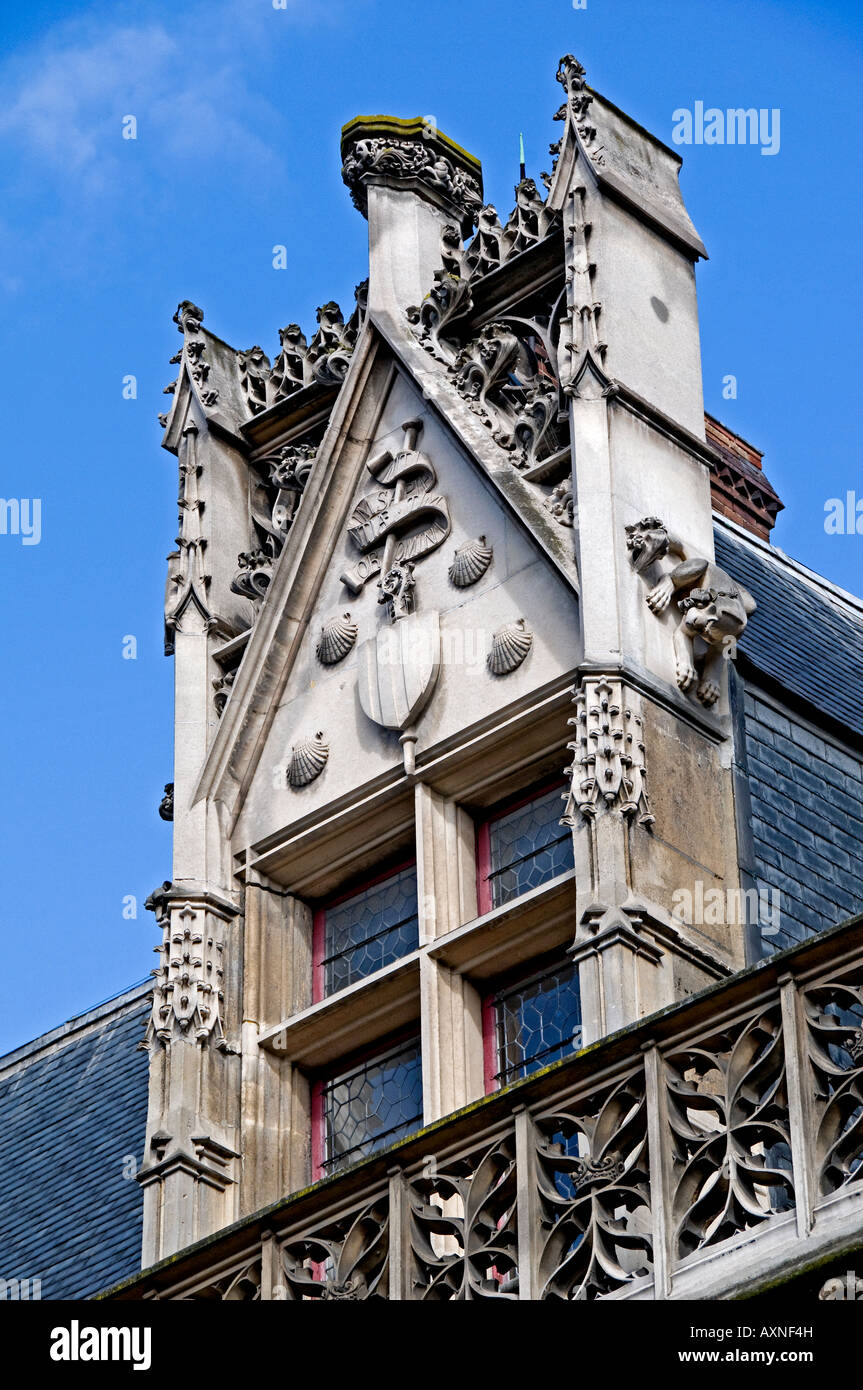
[{"x": 404, "y": 516}]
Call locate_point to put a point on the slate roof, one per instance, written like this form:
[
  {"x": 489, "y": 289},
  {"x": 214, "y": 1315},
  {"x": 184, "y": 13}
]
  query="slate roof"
[
  {"x": 73, "y": 1108},
  {"x": 806, "y": 633}
]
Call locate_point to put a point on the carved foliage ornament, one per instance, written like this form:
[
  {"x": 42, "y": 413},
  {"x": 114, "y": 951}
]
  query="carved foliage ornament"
[
  {"x": 239, "y": 1286},
  {"x": 254, "y": 575},
  {"x": 289, "y": 474},
  {"x": 187, "y": 989},
  {"x": 608, "y": 754},
  {"x": 505, "y": 372},
  {"x": 714, "y": 609},
  {"x": 502, "y": 378},
  {"x": 322, "y": 362},
  {"x": 273, "y": 515},
  {"x": 492, "y": 246},
  {"x": 222, "y": 686},
  {"x": 424, "y": 160},
  {"x": 561, "y": 503}
]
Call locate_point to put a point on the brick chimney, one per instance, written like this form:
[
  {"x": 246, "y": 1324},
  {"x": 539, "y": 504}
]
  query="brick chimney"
[{"x": 739, "y": 487}]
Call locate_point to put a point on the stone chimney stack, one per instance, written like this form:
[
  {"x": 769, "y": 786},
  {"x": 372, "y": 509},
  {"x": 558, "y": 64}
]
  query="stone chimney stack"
[{"x": 410, "y": 181}]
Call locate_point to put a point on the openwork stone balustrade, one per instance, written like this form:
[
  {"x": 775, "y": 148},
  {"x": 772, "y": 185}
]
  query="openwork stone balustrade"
[{"x": 717, "y": 1147}]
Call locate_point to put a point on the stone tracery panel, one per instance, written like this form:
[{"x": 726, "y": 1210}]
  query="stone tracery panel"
[
  {"x": 346, "y": 1259},
  {"x": 730, "y": 1132},
  {"x": 833, "y": 1014},
  {"x": 593, "y": 1178},
  {"x": 463, "y": 1234}
]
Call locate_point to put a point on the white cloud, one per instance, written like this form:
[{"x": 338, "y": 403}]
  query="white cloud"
[{"x": 189, "y": 85}]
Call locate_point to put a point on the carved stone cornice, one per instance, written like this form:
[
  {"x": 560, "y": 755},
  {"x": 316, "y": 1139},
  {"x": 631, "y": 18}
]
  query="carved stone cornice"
[
  {"x": 209, "y": 1163},
  {"x": 411, "y": 154},
  {"x": 646, "y": 929}
]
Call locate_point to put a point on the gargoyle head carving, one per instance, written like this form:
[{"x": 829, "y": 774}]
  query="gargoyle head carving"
[{"x": 646, "y": 541}]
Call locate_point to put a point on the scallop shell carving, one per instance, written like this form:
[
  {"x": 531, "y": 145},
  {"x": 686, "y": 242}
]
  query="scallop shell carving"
[
  {"x": 308, "y": 760},
  {"x": 509, "y": 646},
  {"x": 338, "y": 636},
  {"x": 471, "y": 562}
]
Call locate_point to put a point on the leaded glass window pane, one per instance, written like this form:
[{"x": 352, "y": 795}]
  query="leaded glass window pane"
[
  {"x": 538, "y": 1022},
  {"x": 372, "y": 1104},
  {"x": 370, "y": 930},
  {"x": 528, "y": 846}
]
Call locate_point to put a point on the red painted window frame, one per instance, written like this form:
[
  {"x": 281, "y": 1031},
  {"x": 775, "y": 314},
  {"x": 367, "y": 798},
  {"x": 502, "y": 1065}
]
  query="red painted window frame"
[
  {"x": 484, "y": 898},
  {"x": 319, "y": 922},
  {"x": 490, "y": 1044},
  {"x": 354, "y": 1059}
]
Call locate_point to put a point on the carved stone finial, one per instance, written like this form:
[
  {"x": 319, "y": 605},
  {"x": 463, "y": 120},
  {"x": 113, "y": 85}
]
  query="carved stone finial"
[
  {"x": 330, "y": 350},
  {"x": 410, "y": 154},
  {"x": 289, "y": 369},
  {"x": 714, "y": 608},
  {"x": 529, "y": 221},
  {"x": 572, "y": 77},
  {"x": 254, "y": 368},
  {"x": 188, "y": 317},
  {"x": 486, "y": 251}
]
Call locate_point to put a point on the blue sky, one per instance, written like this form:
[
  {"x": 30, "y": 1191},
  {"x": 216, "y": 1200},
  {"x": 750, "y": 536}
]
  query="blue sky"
[{"x": 238, "y": 108}]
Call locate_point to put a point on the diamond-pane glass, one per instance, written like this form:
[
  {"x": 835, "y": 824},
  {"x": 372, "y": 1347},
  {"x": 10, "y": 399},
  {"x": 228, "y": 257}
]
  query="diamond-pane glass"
[
  {"x": 528, "y": 847},
  {"x": 538, "y": 1022},
  {"x": 372, "y": 1105},
  {"x": 370, "y": 930}
]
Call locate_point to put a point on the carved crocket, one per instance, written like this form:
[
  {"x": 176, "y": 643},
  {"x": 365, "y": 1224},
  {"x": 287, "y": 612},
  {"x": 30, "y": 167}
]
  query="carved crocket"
[{"x": 714, "y": 608}]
